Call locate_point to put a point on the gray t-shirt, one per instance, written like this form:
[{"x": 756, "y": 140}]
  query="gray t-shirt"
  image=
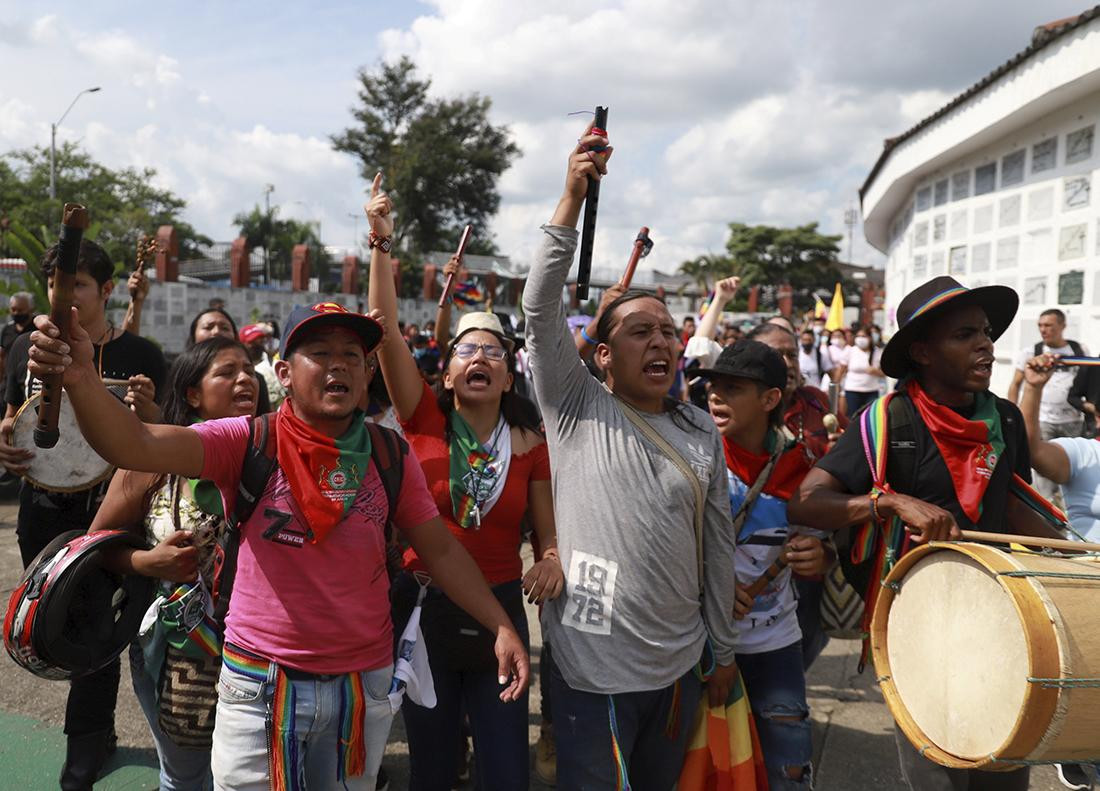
[{"x": 629, "y": 618}]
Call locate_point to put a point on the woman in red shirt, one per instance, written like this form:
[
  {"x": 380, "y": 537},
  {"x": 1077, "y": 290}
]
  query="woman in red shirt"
[{"x": 488, "y": 469}]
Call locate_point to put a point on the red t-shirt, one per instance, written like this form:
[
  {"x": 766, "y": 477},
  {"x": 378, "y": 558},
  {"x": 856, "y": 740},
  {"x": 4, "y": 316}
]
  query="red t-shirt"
[{"x": 495, "y": 545}]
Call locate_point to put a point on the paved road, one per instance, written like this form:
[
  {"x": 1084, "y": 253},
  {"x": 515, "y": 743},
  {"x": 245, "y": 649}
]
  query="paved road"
[{"x": 853, "y": 737}]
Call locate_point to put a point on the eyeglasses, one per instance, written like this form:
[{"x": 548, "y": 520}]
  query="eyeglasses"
[{"x": 492, "y": 352}]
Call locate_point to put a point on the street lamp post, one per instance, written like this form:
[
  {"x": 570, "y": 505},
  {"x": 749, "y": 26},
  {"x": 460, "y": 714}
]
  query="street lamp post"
[{"x": 53, "y": 142}]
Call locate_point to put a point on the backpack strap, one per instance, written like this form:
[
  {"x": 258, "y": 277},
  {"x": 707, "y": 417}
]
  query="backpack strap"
[
  {"x": 1077, "y": 350},
  {"x": 1038, "y": 349},
  {"x": 388, "y": 451},
  {"x": 260, "y": 461}
]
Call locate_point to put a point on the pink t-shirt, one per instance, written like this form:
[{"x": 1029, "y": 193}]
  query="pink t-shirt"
[{"x": 324, "y": 607}]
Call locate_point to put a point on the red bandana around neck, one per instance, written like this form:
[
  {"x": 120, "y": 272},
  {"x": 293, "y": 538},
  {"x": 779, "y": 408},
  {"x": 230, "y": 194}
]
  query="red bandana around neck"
[
  {"x": 324, "y": 473},
  {"x": 970, "y": 448},
  {"x": 790, "y": 468}
]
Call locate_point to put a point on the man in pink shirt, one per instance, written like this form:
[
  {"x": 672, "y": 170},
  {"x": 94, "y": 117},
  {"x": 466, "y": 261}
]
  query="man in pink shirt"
[{"x": 308, "y": 653}]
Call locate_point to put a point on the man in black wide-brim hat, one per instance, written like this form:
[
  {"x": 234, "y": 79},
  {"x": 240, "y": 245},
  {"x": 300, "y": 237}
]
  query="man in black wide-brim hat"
[{"x": 952, "y": 449}]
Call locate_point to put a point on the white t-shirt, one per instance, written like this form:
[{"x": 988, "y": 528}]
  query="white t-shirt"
[
  {"x": 840, "y": 355},
  {"x": 859, "y": 361},
  {"x": 808, "y": 365},
  {"x": 1053, "y": 408},
  {"x": 1082, "y": 491}
]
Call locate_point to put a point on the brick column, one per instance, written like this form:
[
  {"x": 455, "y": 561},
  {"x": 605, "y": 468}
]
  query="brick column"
[
  {"x": 299, "y": 267},
  {"x": 786, "y": 299},
  {"x": 428, "y": 290},
  {"x": 168, "y": 254},
  {"x": 754, "y": 298},
  {"x": 349, "y": 276},
  {"x": 240, "y": 271}
]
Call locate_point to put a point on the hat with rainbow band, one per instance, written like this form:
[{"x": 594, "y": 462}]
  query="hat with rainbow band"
[{"x": 926, "y": 302}]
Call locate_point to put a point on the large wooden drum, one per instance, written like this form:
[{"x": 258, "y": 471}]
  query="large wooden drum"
[{"x": 987, "y": 656}]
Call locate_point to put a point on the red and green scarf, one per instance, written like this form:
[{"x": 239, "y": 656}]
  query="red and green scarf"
[
  {"x": 970, "y": 448},
  {"x": 324, "y": 473},
  {"x": 474, "y": 471}
]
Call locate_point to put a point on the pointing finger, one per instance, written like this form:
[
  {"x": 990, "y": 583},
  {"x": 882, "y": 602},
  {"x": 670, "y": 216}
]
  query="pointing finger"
[{"x": 376, "y": 185}]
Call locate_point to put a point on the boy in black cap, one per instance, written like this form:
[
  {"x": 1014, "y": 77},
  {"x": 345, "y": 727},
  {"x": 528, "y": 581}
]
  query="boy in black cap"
[
  {"x": 953, "y": 449},
  {"x": 745, "y": 396}
]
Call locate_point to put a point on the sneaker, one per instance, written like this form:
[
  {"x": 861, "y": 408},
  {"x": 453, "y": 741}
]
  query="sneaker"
[
  {"x": 1073, "y": 776},
  {"x": 382, "y": 783},
  {"x": 546, "y": 756}
]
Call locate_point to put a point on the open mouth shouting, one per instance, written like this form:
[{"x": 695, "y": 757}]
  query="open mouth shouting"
[
  {"x": 657, "y": 370},
  {"x": 478, "y": 377},
  {"x": 335, "y": 388},
  {"x": 244, "y": 399},
  {"x": 983, "y": 367}
]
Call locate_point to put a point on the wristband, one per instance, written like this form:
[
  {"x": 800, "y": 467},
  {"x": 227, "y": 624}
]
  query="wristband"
[
  {"x": 584, "y": 334},
  {"x": 875, "y": 515}
]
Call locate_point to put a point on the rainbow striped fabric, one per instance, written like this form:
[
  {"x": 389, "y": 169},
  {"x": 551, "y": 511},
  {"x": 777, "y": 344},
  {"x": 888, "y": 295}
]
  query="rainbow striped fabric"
[{"x": 724, "y": 750}]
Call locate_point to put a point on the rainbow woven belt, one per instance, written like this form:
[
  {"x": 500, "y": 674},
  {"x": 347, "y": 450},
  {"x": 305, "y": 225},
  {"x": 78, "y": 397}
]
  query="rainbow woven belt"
[{"x": 283, "y": 748}]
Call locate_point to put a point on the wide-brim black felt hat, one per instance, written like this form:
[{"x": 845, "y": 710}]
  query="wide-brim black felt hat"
[{"x": 924, "y": 303}]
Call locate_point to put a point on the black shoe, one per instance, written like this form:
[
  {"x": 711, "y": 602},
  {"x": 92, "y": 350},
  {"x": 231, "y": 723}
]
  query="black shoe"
[
  {"x": 382, "y": 783},
  {"x": 1073, "y": 776},
  {"x": 84, "y": 759}
]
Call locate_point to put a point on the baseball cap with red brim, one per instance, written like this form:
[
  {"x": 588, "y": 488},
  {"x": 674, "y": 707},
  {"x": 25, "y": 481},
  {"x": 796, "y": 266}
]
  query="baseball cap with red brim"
[{"x": 328, "y": 314}]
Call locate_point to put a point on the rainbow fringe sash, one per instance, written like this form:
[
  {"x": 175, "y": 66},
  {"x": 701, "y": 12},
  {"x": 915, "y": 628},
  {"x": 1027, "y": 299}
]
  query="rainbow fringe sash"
[{"x": 283, "y": 755}]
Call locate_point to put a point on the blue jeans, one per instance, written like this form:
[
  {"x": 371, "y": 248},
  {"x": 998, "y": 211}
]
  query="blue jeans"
[
  {"x": 652, "y": 751},
  {"x": 239, "y": 758},
  {"x": 776, "y": 686},
  {"x": 181, "y": 769},
  {"x": 499, "y": 729}
]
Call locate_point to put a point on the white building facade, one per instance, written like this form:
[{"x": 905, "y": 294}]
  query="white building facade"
[{"x": 996, "y": 187}]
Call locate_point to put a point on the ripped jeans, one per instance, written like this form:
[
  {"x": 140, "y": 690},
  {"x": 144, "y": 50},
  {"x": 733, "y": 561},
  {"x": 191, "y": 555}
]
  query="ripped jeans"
[{"x": 776, "y": 686}]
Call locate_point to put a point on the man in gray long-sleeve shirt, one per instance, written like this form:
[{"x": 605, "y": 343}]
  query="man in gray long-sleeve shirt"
[{"x": 629, "y": 628}]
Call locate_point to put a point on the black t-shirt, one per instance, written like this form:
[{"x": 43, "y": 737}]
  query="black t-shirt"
[
  {"x": 10, "y": 332},
  {"x": 127, "y": 355},
  {"x": 848, "y": 464}
]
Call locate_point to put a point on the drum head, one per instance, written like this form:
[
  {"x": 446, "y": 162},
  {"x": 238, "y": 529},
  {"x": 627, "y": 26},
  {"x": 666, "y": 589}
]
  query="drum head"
[
  {"x": 69, "y": 466},
  {"x": 958, "y": 654}
]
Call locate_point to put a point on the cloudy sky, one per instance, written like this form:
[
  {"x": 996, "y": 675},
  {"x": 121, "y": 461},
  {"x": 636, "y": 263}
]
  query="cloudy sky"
[{"x": 720, "y": 110}]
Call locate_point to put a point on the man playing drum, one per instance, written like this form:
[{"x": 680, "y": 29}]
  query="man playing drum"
[
  {"x": 44, "y": 515},
  {"x": 952, "y": 449}
]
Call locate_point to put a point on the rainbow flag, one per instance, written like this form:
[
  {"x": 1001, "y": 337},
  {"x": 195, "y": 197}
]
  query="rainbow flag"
[
  {"x": 724, "y": 751},
  {"x": 468, "y": 293}
]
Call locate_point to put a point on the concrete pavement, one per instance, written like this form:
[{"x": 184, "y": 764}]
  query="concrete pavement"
[{"x": 853, "y": 737}]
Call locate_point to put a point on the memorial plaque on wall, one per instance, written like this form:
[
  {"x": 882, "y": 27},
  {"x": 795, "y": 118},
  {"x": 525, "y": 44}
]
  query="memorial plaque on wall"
[{"x": 1071, "y": 288}]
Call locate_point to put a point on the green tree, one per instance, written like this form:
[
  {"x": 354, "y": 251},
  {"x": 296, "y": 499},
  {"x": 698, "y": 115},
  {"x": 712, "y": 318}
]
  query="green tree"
[
  {"x": 764, "y": 255},
  {"x": 278, "y": 237},
  {"x": 441, "y": 159},
  {"x": 123, "y": 204}
]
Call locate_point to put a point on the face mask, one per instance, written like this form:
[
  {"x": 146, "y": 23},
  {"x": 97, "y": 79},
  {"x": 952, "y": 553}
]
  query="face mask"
[
  {"x": 808, "y": 346},
  {"x": 20, "y": 318},
  {"x": 863, "y": 343},
  {"x": 836, "y": 341},
  {"x": 876, "y": 337}
]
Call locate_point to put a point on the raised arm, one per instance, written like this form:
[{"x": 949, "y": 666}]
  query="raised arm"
[
  {"x": 398, "y": 365},
  {"x": 138, "y": 285},
  {"x": 724, "y": 290},
  {"x": 443, "y": 312},
  {"x": 553, "y": 355},
  {"x": 115, "y": 432},
  {"x": 1048, "y": 459}
]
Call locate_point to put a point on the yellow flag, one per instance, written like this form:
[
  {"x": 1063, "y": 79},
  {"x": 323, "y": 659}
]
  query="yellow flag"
[
  {"x": 835, "y": 320},
  {"x": 820, "y": 311}
]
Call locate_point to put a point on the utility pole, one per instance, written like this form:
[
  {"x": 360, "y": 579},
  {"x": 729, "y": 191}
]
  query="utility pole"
[
  {"x": 268, "y": 189},
  {"x": 53, "y": 142},
  {"x": 851, "y": 217}
]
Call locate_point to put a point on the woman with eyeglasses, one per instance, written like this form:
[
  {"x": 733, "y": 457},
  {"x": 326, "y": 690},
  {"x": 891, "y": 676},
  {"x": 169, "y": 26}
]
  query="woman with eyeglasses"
[
  {"x": 174, "y": 676},
  {"x": 487, "y": 467}
]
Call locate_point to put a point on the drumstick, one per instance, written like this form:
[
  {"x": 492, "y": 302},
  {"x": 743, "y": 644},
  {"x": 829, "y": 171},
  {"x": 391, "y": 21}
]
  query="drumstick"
[
  {"x": 451, "y": 277},
  {"x": 642, "y": 245},
  {"x": 1030, "y": 541},
  {"x": 773, "y": 571},
  {"x": 74, "y": 221}
]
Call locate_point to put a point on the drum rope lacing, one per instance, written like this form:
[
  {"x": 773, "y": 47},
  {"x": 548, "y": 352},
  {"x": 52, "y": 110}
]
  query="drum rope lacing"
[
  {"x": 1063, "y": 575},
  {"x": 1055, "y": 683}
]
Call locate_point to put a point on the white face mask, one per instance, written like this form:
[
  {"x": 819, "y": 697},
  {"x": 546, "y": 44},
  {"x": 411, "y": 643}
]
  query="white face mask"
[
  {"x": 863, "y": 343},
  {"x": 837, "y": 341}
]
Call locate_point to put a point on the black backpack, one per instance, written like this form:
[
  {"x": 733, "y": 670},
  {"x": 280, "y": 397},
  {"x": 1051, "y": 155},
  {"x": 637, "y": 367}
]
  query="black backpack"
[
  {"x": 1072, "y": 344},
  {"x": 388, "y": 451}
]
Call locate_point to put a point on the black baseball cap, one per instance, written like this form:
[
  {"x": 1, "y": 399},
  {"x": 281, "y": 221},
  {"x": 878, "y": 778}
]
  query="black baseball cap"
[
  {"x": 324, "y": 314},
  {"x": 747, "y": 359}
]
